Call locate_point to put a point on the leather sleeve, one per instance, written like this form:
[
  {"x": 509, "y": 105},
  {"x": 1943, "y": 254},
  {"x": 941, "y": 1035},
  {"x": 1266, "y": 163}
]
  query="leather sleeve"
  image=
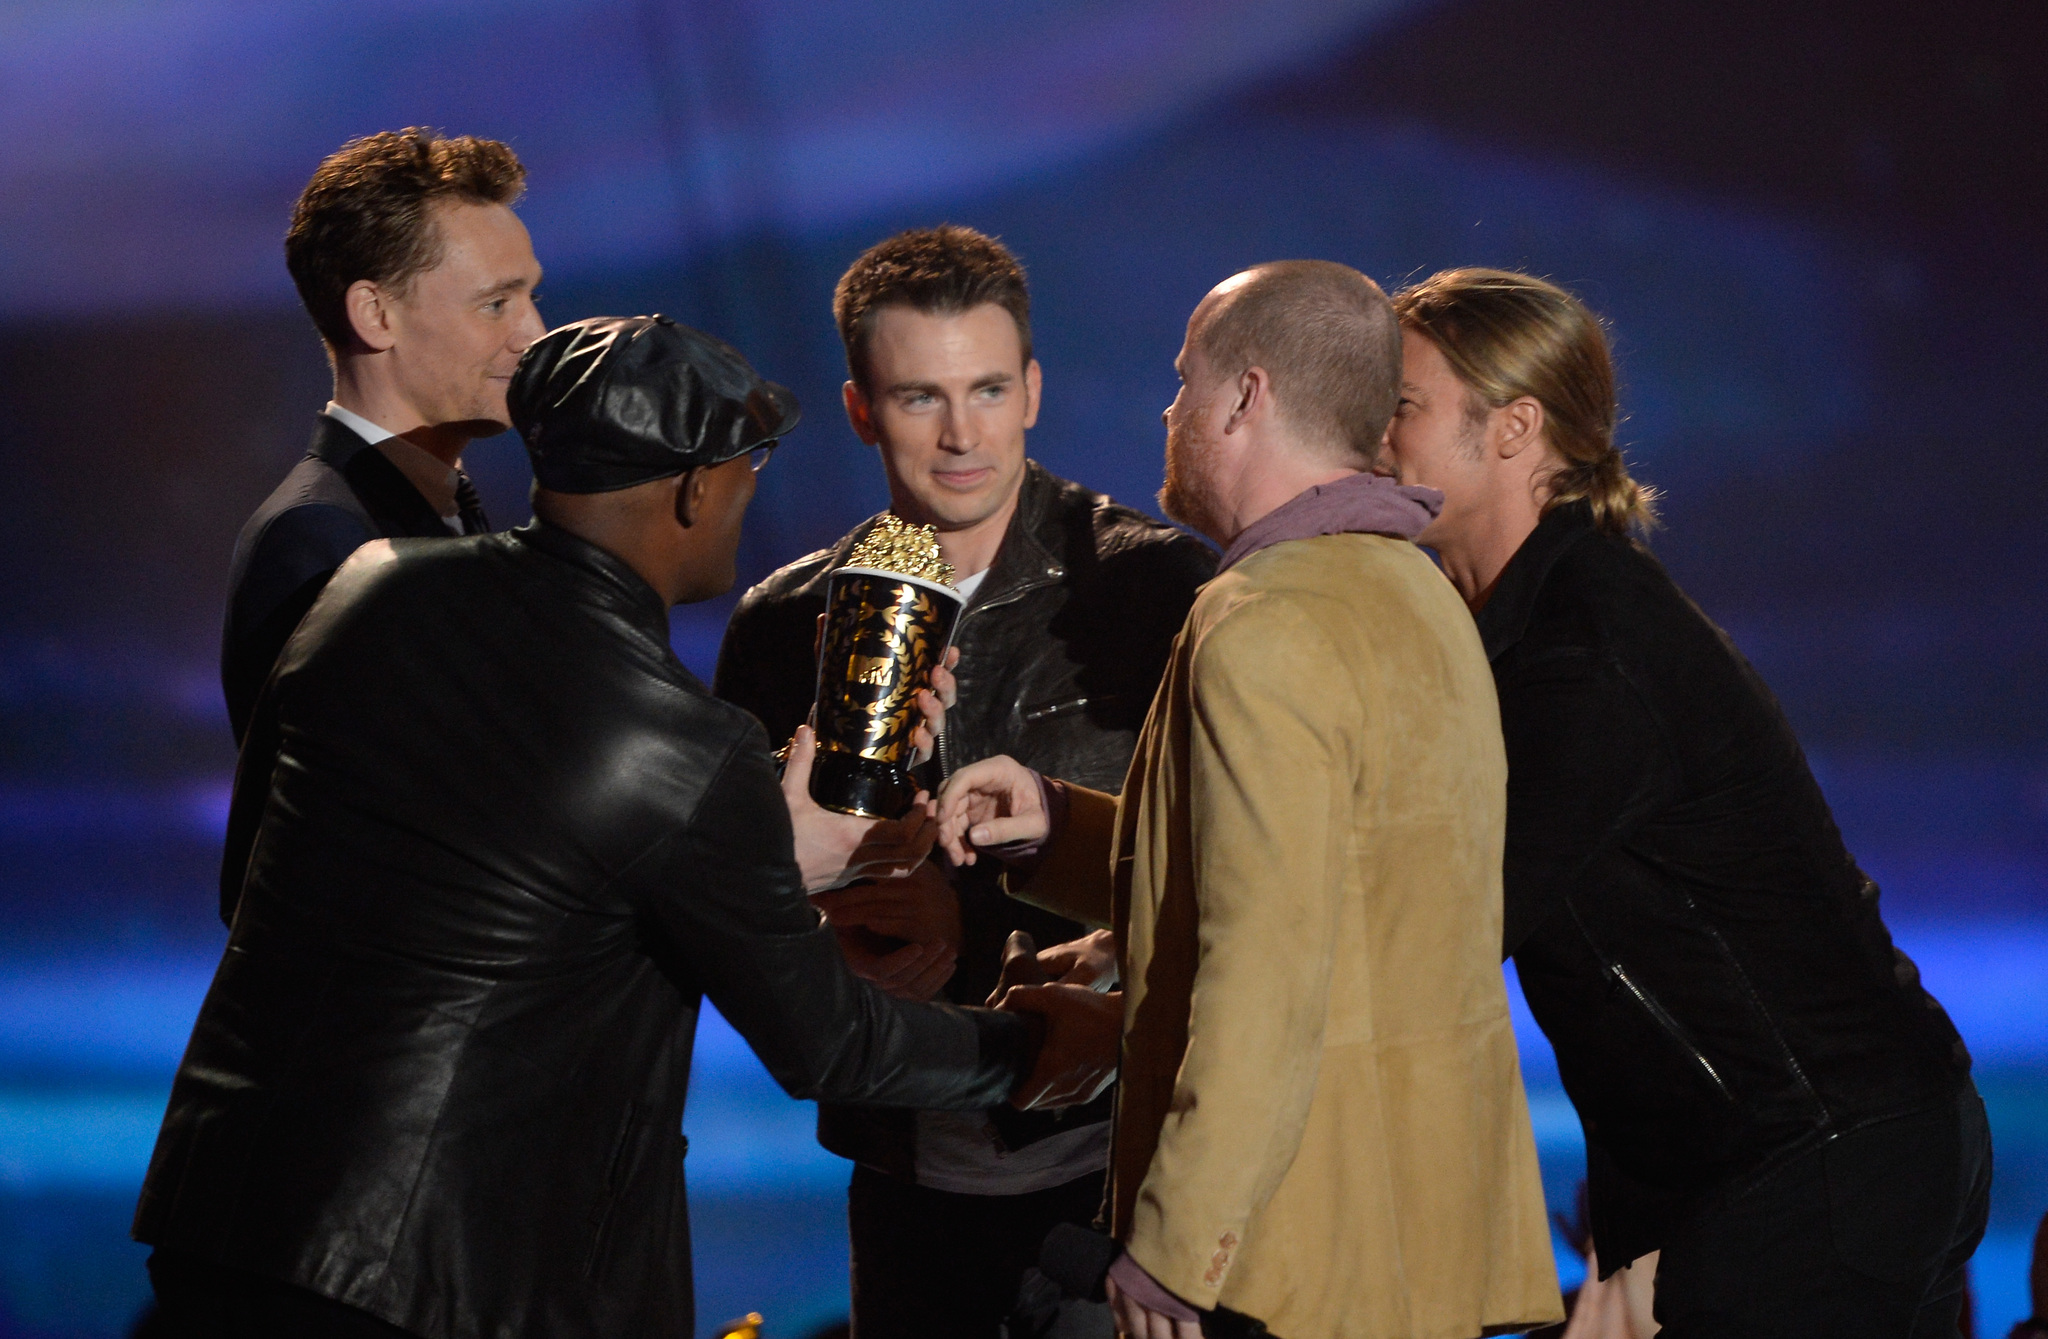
[
  {"x": 1587, "y": 761},
  {"x": 732, "y": 899}
]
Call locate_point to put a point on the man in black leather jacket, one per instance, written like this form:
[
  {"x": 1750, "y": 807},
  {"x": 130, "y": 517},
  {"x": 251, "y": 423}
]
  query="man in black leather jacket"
[
  {"x": 1073, "y": 603},
  {"x": 1770, "y": 1099},
  {"x": 491, "y": 844}
]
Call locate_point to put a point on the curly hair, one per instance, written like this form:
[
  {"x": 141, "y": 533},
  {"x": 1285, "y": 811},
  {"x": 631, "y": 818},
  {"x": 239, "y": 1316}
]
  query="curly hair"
[
  {"x": 940, "y": 271},
  {"x": 1508, "y": 335},
  {"x": 366, "y": 214}
]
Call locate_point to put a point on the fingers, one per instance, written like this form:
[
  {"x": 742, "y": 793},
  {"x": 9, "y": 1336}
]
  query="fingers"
[
  {"x": 1088, "y": 961},
  {"x": 992, "y": 781},
  {"x": 1020, "y": 966},
  {"x": 926, "y": 731},
  {"x": 1136, "y": 1321},
  {"x": 1003, "y": 831},
  {"x": 907, "y": 965},
  {"x": 943, "y": 681},
  {"x": 1083, "y": 1042},
  {"x": 953, "y": 841},
  {"x": 992, "y": 790},
  {"x": 900, "y": 970},
  {"x": 893, "y": 849},
  {"x": 1045, "y": 1001},
  {"x": 863, "y": 899},
  {"x": 796, "y": 772}
]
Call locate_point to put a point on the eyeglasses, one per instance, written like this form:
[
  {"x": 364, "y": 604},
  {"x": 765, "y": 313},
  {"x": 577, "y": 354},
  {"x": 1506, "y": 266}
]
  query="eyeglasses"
[{"x": 758, "y": 457}]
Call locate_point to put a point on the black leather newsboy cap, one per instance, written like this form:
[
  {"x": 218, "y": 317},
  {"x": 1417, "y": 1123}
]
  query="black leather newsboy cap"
[{"x": 615, "y": 401}]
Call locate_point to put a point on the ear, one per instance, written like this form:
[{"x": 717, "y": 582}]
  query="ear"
[
  {"x": 370, "y": 315},
  {"x": 1516, "y": 426},
  {"x": 692, "y": 487},
  {"x": 860, "y": 412},
  {"x": 1254, "y": 395},
  {"x": 1034, "y": 384}
]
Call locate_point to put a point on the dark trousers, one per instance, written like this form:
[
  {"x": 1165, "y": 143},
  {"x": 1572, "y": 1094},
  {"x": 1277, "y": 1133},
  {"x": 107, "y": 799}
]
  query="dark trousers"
[
  {"x": 930, "y": 1262},
  {"x": 1864, "y": 1238},
  {"x": 197, "y": 1300}
]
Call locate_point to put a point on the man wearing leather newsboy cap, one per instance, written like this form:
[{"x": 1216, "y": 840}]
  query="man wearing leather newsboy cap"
[
  {"x": 612, "y": 402},
  {"x": 482, "y": 872}
]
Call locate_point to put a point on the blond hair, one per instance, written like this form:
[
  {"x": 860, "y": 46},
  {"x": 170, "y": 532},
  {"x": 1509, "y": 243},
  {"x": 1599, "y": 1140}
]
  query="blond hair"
[{"x": 1509, "y": 335}]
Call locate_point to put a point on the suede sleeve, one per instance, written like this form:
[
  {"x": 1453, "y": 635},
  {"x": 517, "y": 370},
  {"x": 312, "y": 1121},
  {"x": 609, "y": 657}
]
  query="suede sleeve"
[
  {"x": 1073, "y": 877},
  {"x": 1273, "y": 737}
]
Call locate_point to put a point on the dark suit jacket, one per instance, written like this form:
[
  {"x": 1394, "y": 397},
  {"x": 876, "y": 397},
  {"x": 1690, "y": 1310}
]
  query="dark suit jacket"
[
  {"x": 490, "y": 845},
  {"x": 344, "y": 494}
]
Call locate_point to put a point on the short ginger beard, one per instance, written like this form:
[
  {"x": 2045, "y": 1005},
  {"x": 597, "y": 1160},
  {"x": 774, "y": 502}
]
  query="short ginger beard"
[{"x": 1189, "y": 494}]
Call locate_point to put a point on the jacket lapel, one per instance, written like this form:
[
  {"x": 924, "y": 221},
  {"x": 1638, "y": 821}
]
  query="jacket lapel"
[{"x": 396, "y": 508}]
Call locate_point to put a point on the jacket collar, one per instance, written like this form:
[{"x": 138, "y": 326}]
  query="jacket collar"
[
  {"x": 394, "y": 502},
  {"x": 1505, "y": 617},
  {"x": 335, "y": 442},
  {"x": 611, "y": 580},
  {"x": 1026, "y": 559}
]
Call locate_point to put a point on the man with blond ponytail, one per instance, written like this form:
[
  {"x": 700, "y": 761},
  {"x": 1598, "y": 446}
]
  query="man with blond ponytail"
[{"x": 1770, "y": 1100}]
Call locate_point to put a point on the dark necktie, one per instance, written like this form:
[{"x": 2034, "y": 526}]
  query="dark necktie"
[{"x": 469, "y": 506}]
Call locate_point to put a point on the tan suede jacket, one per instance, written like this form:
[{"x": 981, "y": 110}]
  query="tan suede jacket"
[{"x": 1322, "y": 1122}]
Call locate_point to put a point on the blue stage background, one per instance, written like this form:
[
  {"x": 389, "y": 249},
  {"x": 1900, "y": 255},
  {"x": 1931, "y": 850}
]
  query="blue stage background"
[{"x": 1813, "y": 225}]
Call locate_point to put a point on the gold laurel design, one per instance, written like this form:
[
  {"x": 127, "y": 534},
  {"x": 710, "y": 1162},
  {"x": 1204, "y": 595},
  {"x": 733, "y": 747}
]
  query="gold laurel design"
[{"x": 895, "y": 545}]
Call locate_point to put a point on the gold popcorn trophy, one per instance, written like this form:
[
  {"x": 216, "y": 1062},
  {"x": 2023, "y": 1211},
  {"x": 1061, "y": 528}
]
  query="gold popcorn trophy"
[{"x": 889, "y": 616}]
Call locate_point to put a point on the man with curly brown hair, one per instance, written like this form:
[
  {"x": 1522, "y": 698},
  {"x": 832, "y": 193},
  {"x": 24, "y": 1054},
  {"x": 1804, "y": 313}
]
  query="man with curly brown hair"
[{"x": 420, "y": 280}]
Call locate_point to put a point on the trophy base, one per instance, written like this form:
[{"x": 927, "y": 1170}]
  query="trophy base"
[{"x": 847, "y": 783}]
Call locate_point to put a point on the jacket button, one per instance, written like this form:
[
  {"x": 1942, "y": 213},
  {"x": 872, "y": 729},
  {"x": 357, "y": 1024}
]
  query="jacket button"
[{"x": 1055, "y": 571}]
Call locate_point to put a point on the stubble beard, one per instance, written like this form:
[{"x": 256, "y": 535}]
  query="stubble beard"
[{"x": 1187, "y": 496}]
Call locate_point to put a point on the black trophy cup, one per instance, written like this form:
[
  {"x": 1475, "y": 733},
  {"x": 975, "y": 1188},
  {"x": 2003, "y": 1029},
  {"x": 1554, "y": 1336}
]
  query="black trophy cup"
[{"x": 885, "y": 633}]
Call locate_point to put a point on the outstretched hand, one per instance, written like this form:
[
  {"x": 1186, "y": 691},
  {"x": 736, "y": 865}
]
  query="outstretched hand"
[
  {"x": 1020, "y": 966},
  {"x": 834, "y": 849},
  {"x": 906, "y": 971},
  {"x": 1088, "y": 961},
  {"x": 1083, "y": 1044},
  {"x": 875, "y": 920},
  {"x": 990, "y": 803}
]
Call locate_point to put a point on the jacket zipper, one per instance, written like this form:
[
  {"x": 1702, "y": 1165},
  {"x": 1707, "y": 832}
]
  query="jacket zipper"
[
  {"x": 1756, "y": 1003},
  {"x": 1015, "y": 593},
  {"x": 942, "y": 748},
  {"x": 1656, "y": 1010}
]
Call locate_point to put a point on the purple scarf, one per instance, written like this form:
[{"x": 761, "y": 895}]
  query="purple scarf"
[{"x": 1356, "y": 504}]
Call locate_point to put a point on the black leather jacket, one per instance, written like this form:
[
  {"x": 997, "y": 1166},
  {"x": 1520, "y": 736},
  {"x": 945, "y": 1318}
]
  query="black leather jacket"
[
  {"x": 491, "y": 844},
  {"x": 1690, "y": 931},
  {"x": 1061, "y": 650}
]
